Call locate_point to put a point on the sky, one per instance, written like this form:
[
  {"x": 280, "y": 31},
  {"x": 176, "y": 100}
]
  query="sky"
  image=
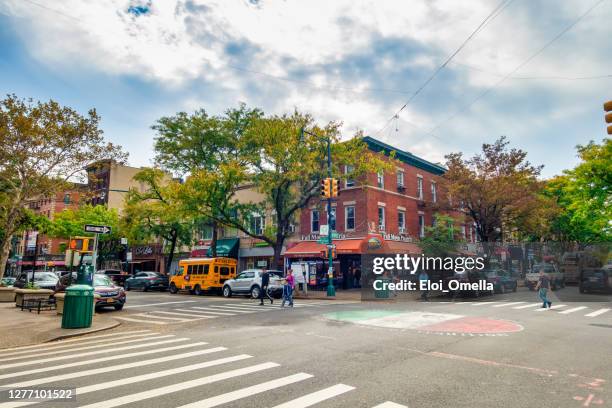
[{"x": 350, "y": 61}]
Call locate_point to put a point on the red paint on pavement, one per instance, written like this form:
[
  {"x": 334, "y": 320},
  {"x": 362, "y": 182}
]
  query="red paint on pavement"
[{"x": 474, "y": 325}]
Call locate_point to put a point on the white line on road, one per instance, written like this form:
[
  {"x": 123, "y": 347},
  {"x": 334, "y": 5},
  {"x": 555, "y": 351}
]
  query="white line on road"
[
  {"x": 597, "y": 312},
  {"x": 99, "y": 360},
  {"x": 550, "y": 308},
  {"x": 80, "y": 339},
  {"x": 150, "y": 315},
  {"x": 568, "y": 311},
  {"x": 316, "y": 397},
  {"x": 389, "y": 404},
  {"x": 246, "y": 392},
  {"x": 483, "y": 303},
  {"x": 180, "y": 386},
  {"x": 102, "y": 370},
  {"x": 206, "y": 312},
  {"x": 230, "y": 309},
  {"x": 528, "y": 306},
  {"x": 509, "y": 304},
  {"x": 93, "y": 353},
  {"x": 130, "y": 319},
  {"x": 201, "y": 316},
  {"x": 157, "y": 304},
  {"x": 243, "y": 306}
]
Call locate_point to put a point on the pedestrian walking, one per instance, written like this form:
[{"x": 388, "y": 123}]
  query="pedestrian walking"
[
  {"x": 288, "y": 288},
  {"x": 423, "y": 279},
  {"x": 542, "y": 288},
  {"x": 265, "y": 282}
]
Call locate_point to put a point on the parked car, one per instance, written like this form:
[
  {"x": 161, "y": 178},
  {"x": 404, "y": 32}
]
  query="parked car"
[
  {"x": 110, "y": 294},
  {"x": 116, "y": 275},
  {"x": 248, "y": 282},
  {"x": 8, "y": 280},
  {"x": 147, "y": 281},
  {"x": 596, "y": 279},
  {"x": 43, "y": 280},
  {"x": 557, "y": 279},
  {"x": 502, "y": 280}
]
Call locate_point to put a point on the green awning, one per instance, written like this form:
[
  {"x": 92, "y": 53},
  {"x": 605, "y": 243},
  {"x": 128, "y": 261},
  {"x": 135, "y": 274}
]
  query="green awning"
[{"x": 226, "y": 247}]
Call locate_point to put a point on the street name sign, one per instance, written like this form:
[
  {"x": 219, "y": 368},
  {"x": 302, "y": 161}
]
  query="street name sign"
[{"x": 98, "y": 229}]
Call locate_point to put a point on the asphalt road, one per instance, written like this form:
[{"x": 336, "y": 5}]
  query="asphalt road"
[{"x": 181, "y": 350}]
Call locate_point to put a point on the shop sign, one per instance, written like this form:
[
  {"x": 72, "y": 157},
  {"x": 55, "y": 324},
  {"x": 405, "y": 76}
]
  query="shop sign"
[
  {"x": 144, "y": 250},
  {"x": 394, "y": 237},
  {"x": 316, "y": 237},
  {"x": 374, "y": 243}
]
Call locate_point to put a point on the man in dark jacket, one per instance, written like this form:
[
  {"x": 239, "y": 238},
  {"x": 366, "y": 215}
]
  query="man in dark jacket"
[{"x": 265, "y": 281}]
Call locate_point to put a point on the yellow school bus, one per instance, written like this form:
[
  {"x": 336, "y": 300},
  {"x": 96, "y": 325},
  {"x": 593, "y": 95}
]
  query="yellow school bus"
[{"x": 199, "y": 275}]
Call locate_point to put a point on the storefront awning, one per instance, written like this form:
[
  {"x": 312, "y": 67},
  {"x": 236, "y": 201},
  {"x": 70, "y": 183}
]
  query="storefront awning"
[
  {"x": 226, "y": 247},
  {"x": 399, "y": 247},
  {"x": 306, "y": 249},
  {"x": 349, "y": 246}
]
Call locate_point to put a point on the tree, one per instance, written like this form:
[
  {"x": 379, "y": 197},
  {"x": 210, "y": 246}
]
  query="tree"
[
  {"x": 42, "y": 146},
  {"x": 495, "y": 188},
  {"x": 156, "y": 212},
  {"x": 584, "y": 196},
  {"x": 442, "y": 238}
]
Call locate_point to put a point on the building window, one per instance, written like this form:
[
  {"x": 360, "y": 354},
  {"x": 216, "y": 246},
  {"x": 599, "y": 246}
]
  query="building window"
[
  {"x": 420, "y": 187},
  {"x": 348, "y": 169},
  {"x": 421, "y": 226},
  {"x": 66, "y": 199},
  {"x": 463, "y": 233},
  {"x": 314, "y": 221},
  {"x": 401, "y": 221},
  {"x": 434, "y": 221},
  {"x": 380, "y": 179},
  {"x": 381, "y": 218},
  {"x": 434, "y": 193},
  {"x": 400, "y": 179},
  {"x": 332, "y": 219},
  {"x": 258, "y": 224},
  {"x": 349, "y": 218}
]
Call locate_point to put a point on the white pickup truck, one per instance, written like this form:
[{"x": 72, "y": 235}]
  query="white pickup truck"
[{"x": 557, "y": 279}]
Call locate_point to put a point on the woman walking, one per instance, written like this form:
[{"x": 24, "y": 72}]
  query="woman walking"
[{"x": 288, "y": 288}]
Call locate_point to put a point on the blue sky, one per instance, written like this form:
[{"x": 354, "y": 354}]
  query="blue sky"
[{"x": 351, "y": 61}]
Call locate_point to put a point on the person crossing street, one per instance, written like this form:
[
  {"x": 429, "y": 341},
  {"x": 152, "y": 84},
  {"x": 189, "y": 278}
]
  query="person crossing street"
[
  {"x": 288, "y": 288},
  {"x": 265, "y": 282}
]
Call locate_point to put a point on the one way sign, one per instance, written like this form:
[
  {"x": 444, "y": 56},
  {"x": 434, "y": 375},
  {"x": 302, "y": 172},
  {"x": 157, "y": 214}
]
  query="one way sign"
[{"x": 98, "y": 229}]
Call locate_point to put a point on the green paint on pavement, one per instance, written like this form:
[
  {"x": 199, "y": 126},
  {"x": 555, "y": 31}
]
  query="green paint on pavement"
[{"x": 357, "y": 315}]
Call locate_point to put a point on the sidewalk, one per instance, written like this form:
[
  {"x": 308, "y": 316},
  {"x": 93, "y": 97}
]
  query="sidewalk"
[{"x": 22, "y": 328}]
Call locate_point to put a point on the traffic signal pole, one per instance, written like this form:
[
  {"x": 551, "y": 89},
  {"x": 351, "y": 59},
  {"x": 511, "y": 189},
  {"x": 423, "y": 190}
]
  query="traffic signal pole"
[{"x": 331, "y": 291}]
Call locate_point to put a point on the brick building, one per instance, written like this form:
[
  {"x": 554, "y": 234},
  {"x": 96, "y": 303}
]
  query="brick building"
[{"x": 392, "y": 208}]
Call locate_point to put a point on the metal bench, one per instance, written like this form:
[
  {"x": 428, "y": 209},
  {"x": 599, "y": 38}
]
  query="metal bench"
[{"x": 38, "y": 304}]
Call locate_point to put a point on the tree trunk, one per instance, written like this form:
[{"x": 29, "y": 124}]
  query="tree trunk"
[
  {"x": 276, "y": 262},
  {"x": 213, "y": 242},
  {"x": 171, "y": 254},
  {"x": 4, "y": 254}
]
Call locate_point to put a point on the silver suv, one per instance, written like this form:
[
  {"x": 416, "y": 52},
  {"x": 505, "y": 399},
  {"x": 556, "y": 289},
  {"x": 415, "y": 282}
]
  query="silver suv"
[{"x": 248, "y": 282}]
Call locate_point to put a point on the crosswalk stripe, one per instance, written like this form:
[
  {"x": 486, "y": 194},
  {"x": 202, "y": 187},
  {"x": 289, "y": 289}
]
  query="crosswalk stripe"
[
  {"x": 77, "y": 340},
  {"x": 206, "y": 312},
  {"x": 550, "y": 308},
  {"x": 101, "y": 359},
  {"x": 131, "y": 319},
  {"x": 150, "y": 315},
  {"x": 242, "y": 307},
  {"x": 180, "y": 386},
  {"x": 316, "y": 397},
  {"x": 102, "y": 370},
  {"x": 92, "y": 353},
  {"x": 597, "y": 312},
  {"x": 246, "y": 392},
  {"x": 57, "y": 346},
  {"x": 216, "y": 309},
  {"x": 529, "y": 305},
  {"x": 483, "y": 303},
  {"x": 88, "y": 347},
  {"x": 568, "y": 311},
  {"x": 231, "y": 309},
  {"x": 508, "y": 304},
  {"x": 389, "y": 404},
  {"x": 158, "y": 304},
  {"x": 185, "y": 314}
]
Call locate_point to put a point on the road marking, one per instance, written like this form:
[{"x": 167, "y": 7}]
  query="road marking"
[
  {"x": 246, "y": 392},
  {"x": 125, "y": 366},
  {"x": 92, "y": 353},
  {"x": 185, "y": 314},
  {"x": 99, "y": 360},
  {"x": 157, "y": 304},
  {"x": 483, "y": 303},
  {"x": 316, "y": 397},
  {"x": 81, "y": 339},
  {"x": 529, "y": 305},
  {"x": 389, "y": 404},
  {"x": 180, "y": 386},
  {"x": 206, "y": 312},
  {"x": 130, "y": 319},
  {"x": 597, "y": 312},
  {"x": 509, "y": 304},
  {"x": 60, "y": 345},
  {"x": 152, "y": 316},
  {"x": 88, "y": 347},
  {"x": 231, "y": 309},
  {"x": 550, "y": 308},
  {"x": 244, "y": 307},
  {"x": 568, "y": 311}
]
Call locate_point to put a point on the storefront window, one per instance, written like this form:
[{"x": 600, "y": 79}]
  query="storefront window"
[
  {"x": 350, "y": 217},
  {"x": 314, "y": 221}
]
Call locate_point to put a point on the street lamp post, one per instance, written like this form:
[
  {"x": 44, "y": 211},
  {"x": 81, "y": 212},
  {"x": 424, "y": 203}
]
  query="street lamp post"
[{"x": 331, "y": 290}]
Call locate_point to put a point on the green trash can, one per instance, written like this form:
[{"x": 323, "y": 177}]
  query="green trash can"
[
  {"x": 382, "y": 293},
  {"x": 78, "y": 307}
]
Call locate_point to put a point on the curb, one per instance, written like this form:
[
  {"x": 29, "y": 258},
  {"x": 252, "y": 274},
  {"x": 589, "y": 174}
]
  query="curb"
[{"x": 67, "y": 336}]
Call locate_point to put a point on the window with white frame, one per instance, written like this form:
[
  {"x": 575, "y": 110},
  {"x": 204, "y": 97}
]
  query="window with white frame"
[
  {"x": 400, "y": 179},
  {"x": 258, "y": 223},
  {"x": 434, "y": 192},
  {"x": 421, "y": 226},
  {"x": 380, "y": 179},
  {"x": 348, "y": 169},
  {"x": 381, "y": 218},
  {"x": 349, "y": 218},
  {"x": 314, "y": 221},
  {"x": 420, "y": 187},
  {"x": 401, "y": 221}
]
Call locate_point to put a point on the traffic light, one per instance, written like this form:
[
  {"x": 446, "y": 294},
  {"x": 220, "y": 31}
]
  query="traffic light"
[
  {"x": 82, "y": 244},
  {"x": 608, "y": 108},
  {"x": 334, "y": 187},
  {"x": 333, "y": 253},
  {"x": 326, "y": 188}
]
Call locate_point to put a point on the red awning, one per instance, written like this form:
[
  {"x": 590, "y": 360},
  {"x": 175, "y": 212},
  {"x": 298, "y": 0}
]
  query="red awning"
[
  {"x": 399, "y": 247},
  {"x": 305, "y": 249},
  {"x": 349, "y": 246}
]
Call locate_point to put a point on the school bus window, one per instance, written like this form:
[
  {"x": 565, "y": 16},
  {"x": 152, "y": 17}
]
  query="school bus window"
[
  {"x": 225, "y": 270},
  {"x": 199, "y": 269},
  {"x": 189, "y": 269},
  {"x": 206, "y": 269},
  {"x": 181, "y": 271},
  {"x": 216, "y": 269}
]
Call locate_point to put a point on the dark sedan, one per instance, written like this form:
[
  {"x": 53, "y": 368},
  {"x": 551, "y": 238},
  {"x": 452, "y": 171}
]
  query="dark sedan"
[
  {"x": 147, "y": 281},
  {"x": 502, "y": 280},
  {"x": 596, "y": 280}
]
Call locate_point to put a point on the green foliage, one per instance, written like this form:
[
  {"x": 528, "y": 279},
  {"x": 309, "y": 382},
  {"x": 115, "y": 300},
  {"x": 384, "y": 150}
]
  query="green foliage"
[
  {"x": 442, "y": 238},
  {"x": 70, "y": 222},
  {"x": 31, "y": 285}
]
